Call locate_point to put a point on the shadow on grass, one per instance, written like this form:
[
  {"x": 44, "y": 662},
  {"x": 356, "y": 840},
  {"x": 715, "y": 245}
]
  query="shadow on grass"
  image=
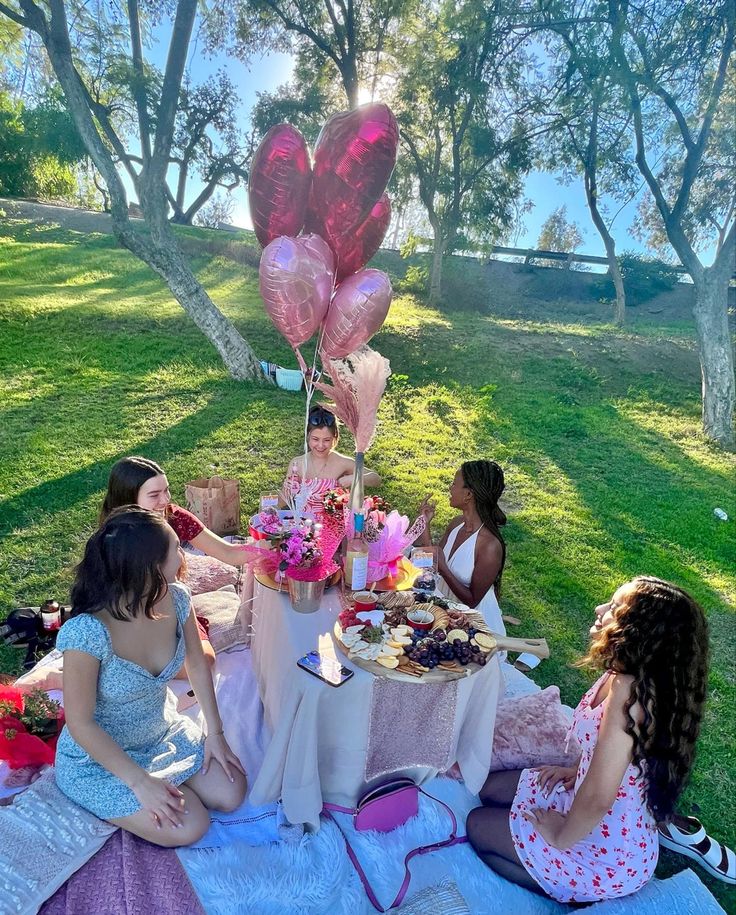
[{"x": 60, "y": 494}]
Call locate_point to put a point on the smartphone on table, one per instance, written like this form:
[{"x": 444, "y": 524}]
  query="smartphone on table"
[{"x": 327, "y": 669}]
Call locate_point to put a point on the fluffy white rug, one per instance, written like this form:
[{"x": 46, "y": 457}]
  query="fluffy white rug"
[{"x": 315, "y": 877}]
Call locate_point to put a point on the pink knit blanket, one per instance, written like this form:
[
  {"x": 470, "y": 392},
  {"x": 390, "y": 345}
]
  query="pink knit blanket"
[{"x": 127, "y": 875}]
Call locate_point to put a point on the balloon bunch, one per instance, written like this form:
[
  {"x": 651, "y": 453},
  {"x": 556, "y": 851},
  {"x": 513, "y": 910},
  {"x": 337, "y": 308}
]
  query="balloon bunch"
[{"x": 316, "y": 281}]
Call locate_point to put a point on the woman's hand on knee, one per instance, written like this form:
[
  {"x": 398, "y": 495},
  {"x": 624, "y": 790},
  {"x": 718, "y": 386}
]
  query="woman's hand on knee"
[
  {"x": 163, "y": 801},
  {"x": 217, "y": 748},
  {"x": 549, "y": 777}
]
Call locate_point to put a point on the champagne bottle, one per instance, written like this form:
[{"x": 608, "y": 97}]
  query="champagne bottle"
[{"x": 356, "y": 558}]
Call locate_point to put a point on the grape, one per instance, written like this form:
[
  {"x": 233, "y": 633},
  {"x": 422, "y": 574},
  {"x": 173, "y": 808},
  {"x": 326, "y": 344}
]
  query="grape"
[
  {"x": 475, "y": 649},
  {"x": 440, "y": 635},
  {"x": 432, "y": 662},
  {"x": 481, "y": 659},
  {"x": 458, "y": 643}
]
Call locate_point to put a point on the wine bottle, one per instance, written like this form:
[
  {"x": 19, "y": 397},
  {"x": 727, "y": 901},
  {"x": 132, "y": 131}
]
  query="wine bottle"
[
  {"x": 357, "y": 496},
  {"x": 356, "y": 558}
]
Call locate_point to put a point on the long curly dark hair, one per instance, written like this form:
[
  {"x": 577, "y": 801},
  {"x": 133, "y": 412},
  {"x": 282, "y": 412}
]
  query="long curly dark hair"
[
  {"x": 486, "y": 481},
  {"x": 121, "y": 568},
  {"x": 659, "y": 636}
]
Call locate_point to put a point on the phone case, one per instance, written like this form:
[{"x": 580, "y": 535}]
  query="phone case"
[{"x": 325, "y": 669}]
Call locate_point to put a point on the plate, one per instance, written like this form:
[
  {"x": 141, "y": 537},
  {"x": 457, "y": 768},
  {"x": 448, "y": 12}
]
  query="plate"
[{"x": 402, "y": 581}]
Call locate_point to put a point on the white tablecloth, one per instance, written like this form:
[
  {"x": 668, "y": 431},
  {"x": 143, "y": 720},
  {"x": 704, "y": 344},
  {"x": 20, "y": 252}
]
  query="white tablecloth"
[{"x": 320, "y": 733}]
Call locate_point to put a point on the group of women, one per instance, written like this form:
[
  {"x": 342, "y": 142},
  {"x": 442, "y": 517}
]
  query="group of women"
[{"x": 577, "y": 834}]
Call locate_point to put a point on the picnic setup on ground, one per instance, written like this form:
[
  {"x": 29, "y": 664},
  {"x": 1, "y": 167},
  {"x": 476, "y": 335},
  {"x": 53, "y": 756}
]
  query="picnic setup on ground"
[{"x": 320, "y": 706}]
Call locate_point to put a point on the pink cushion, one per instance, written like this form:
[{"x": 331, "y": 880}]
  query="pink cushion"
[
  {"x": 205, "y": 573},
  {"x": 531, "y": 731},
  {"x": 220, "y": 609}
]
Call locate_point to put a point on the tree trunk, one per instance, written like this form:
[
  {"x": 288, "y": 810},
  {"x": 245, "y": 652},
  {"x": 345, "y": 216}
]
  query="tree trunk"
[
  {"x": 716, "y": 357},
  {"x": 435, "y": 283},
  {"x": 619, "y": 312},
  {"x": 162, "y": 253}
]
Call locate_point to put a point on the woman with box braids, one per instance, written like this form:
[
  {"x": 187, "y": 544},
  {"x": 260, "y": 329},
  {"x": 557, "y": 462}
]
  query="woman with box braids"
[{"x": 472, "y": 552}]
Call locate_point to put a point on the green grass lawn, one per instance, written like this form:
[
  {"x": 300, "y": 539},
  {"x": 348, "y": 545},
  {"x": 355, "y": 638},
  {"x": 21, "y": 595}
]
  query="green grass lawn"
[{"x": 598, "y": 431}]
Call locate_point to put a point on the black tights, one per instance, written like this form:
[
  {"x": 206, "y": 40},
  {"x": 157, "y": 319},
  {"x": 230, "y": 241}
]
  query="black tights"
[{"x": 490, "y": 834}]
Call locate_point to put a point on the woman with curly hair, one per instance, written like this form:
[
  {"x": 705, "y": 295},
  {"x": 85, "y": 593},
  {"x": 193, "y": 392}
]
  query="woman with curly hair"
[
  {"x": 590, "y": 832},
  {"x": 472, "y": 552}
]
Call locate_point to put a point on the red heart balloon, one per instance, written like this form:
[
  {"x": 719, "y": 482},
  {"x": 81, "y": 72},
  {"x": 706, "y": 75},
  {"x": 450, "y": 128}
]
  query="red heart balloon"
[
  {"x": 355, "y": 250},
  {"x": 279, "y": 183},
  {"x": 353, "y": 160}
]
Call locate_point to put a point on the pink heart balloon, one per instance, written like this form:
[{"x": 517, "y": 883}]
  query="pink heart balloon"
[
  {"x": 279, "y": 183},
  {"x": 297, "y": 276},
  {"x": 355, "y": 250},
  {"x": 353, "y": 160},
  {"x": 358, "y": 309}
]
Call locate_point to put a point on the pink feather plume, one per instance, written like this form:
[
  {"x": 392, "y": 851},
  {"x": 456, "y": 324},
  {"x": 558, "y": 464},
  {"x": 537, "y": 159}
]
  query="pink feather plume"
[{"x": 358, "y": 383}]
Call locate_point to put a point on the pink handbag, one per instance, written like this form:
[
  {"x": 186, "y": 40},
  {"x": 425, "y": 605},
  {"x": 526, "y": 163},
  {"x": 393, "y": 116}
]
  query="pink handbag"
[{"x": 385, "y": 808}]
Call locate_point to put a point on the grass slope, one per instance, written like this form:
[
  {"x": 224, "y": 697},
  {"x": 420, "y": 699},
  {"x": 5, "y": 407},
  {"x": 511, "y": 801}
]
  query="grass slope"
[{"x": 598, "y": 430}]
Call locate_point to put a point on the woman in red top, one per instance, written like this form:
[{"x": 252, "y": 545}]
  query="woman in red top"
[{"x": 138, "y": 481}]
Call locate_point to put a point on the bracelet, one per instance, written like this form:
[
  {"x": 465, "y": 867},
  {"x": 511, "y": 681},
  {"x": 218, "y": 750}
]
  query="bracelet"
[{"x": 215, "y": 734}]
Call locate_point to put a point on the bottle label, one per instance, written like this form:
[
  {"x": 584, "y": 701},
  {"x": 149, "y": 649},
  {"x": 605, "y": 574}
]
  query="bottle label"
[
  {"x": 359, "y": 572},
  {"x": 51, "y": 620}
]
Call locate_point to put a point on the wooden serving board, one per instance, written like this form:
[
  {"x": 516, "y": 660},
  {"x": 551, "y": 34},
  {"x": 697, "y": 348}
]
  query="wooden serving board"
[{"x": 437, "y": 675}]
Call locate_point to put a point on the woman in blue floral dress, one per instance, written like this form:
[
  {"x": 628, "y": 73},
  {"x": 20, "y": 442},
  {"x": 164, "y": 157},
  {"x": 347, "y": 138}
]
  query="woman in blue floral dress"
[{"x": 125, "y": 754}]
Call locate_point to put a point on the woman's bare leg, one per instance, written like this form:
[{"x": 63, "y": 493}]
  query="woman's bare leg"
[
  {"x": 195, "y": 823},
  {"x": 216, "y": 791}
]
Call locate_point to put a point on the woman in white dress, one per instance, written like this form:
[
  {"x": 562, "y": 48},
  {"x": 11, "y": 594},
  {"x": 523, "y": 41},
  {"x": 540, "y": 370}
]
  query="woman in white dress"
[{"x": 472, "y": 552}]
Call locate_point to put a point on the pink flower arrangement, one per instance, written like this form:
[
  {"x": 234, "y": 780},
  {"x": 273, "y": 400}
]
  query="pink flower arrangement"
[{"x": 300, "y": 547}]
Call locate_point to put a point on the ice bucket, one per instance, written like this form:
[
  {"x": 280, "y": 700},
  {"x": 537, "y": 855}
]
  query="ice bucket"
[{"x": 305, "y": 596}]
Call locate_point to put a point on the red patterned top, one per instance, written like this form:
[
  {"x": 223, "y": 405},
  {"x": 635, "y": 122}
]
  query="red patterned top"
[{"x": 186, "y": 525}]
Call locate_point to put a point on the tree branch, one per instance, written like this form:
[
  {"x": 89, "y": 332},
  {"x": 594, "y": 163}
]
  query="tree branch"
[
  {"x": 139, "y": 83},
  {"x": 16, "y": 17}
]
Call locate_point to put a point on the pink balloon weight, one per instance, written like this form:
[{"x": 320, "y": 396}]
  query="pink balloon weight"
[
  {"x": 355, "y": 250},
  {"x": 279, "y": 183},
  {"x": 353, "y": 160},
  {"x": 358, "y": 309},
  {"x": 297, "y": 276}
]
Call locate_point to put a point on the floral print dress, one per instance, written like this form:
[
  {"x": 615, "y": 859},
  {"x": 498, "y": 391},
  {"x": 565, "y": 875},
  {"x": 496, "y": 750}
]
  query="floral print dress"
[{"x": 620, "y": 854}]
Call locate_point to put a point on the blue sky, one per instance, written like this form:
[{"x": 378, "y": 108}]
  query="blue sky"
[{"x": 270, "y": 71}]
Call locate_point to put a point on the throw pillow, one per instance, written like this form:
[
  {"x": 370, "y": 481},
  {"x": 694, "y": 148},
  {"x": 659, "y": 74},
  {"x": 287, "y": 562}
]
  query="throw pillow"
[
  {"x": 220, "y": 609},
  {"x": 532, "y": 731},
  {"x": 205, "y": 573}
]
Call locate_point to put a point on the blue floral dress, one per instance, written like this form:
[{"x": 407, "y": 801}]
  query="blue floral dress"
[{"x": 137, "y": 710}]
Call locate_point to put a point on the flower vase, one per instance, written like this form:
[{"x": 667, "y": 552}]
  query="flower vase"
[{"x": 305, "y": 596}]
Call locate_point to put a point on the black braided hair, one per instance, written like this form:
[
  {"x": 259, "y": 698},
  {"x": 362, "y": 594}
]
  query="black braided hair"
[{"x": 486, "y": 481}]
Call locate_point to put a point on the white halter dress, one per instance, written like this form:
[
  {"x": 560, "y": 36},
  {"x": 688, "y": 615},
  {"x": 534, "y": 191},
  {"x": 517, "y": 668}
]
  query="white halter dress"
[{"x": 461, "y": 565}]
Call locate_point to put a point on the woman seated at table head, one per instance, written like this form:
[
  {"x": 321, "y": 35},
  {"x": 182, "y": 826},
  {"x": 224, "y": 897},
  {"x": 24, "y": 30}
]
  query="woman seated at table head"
[
  {"x": 125, "y": 754},
  {"x": 589, "y": 832},
  {"x": 323, "y": 468},
  {"x": 140, "y": 481},
  {"x": 472, "y": 552}
]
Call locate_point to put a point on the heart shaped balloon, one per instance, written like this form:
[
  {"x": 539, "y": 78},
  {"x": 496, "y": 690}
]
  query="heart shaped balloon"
[
  {"x": 279, "y": 183},
  {"x": 297, "y": 276},
  {"x": 353, "y": 251},
  {"x": 353, "y": 160},
  {"x": 358, "y": 309}
]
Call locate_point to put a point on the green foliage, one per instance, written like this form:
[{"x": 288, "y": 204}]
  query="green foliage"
[
  {"x": 415, "y": 281},
  {"x": 52, "y": 179},
  {"x": 644, "y": 278},
  {"x": 558, "y": 233},
  {"x": 38, "y": 147}
]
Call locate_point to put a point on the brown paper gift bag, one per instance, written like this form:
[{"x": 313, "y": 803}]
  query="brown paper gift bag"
[{"x": 216, "y": 502}]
